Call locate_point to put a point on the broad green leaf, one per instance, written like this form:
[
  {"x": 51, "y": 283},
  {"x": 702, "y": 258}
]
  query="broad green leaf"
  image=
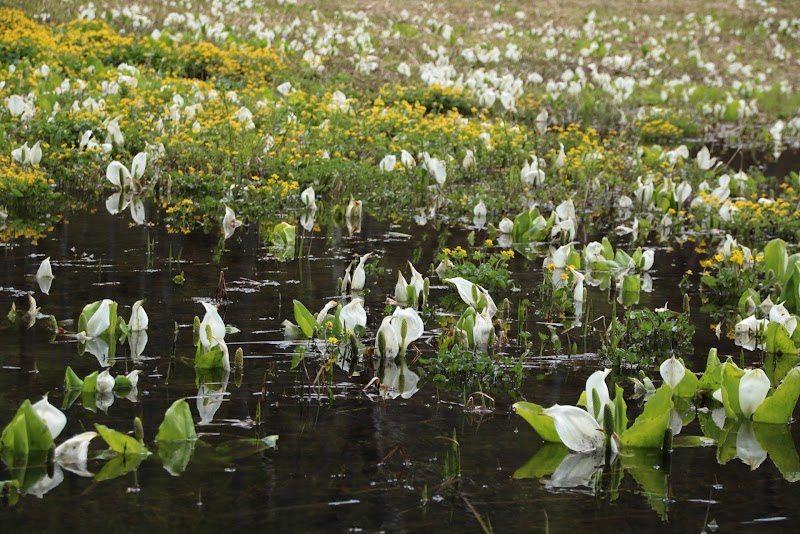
[
  {"x": 776, "y": 366},
  {"x": 687, "y": 387},
  {"x": 26, "y": 434},
  {"x": 777, "y": 339},
  {"x": 175, "y": 455},
  {"x": 641, "y": 464},
  {"x": 777, "y": 441},
  {"x": 305, "y": 320},
  {"x": 731, "y": 375},
  {"x": 620, "y": 411},
  {"x": 778, "y": 407},
  {"x": 71, "y": 380},
  {"x": 648, "y": 429},
  {"x": 178, "y": 424},
  {"x": 122, "y": 383},
  {"x": 629, "y": 298},
  {"x": 712, "y": 377},
  {"x": 70, "y": 397},
  {"x": 119, "y": 442},
  {"x": 89, "y": 400},
  {"x": 622, "y": 258},
  {"x": 544, "y": 462},
  {"x": 726, "y": 447},
  {"x": 90, "y": 383},
  {"x": 574, "y": 258},
  {"x": 119, "y": 466},
  {"x": 775, "y": 257},
  {"x": 211, "y": 359},
  {"x": 542, "y": 424},
  {"x": 608, "y": 250},
  {"x": 790, "y": 282},
  {"x": 631, "y": 283}
]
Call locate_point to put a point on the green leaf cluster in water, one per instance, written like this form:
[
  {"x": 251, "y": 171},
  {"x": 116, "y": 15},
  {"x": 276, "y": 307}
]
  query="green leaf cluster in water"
[{"x": 645, "y": 337}]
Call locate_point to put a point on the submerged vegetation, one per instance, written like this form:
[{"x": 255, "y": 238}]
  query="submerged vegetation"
[{"x": 552, "y": 167}]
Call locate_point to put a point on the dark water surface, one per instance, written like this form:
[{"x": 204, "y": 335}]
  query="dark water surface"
[{"x": 346, "y": 460}]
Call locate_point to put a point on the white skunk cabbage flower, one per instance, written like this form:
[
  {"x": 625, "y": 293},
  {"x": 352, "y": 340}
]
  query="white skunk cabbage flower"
[
  {"x": 213, "y": 321},
  {"x": 309, "y": 198},
  {"x": 352, "y": 315},
  {"x": 230, "y": 223},
  {"x": 597, "y": 382},
  {"x": 44, "y": 276},
  {"x": 672, "y": 372},
  {"x": 139, "y": 320},
  {"x": 576, "y": 428},
  {"x": 388, "y": 162},
  {"x": 753, "y": 389}
]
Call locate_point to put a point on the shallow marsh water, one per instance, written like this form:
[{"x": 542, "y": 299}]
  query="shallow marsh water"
[{"x": 345, "y": 459}]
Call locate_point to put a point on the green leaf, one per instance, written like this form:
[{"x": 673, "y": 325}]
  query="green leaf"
[
  {"x": 212, "y": 359},
  {"x": 777, "y": 441},
  {"x": 574, "y": 258},
  {"x": 178, "y": 424},
  {"x": 71, "y": 380},
  {"x": 648, "y": 429},
  {"x": 775, "y": 257},
  {"x": 620, "y": 411},
  {"x": 712, "y": 377},
  {"x": 119, "y": 466},
  {"x": 90, "y": 383},
  {"x": 778, "y": 407},
  {"x": 305, "y": 320},
  {"x": 608, "y": 250},
  {"x": 777, "y": 339},
  {"x": 542, "y": 424},
  {"x": 25, "y": 434},
  {"x": 544, "y": 462},
  {"x": 631, "y": 283},
  {"x": 175, "y": 455},
  {"x": 119, "y": 442},
  {"x": 122, "y": 383},
  {"x": 776, "y": 366},
  {"x": 688, "y": 385},
  {"x": 653, "y": 482}
]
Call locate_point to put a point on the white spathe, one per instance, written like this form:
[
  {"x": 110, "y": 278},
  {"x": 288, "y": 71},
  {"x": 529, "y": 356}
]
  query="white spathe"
[
  {"x": 352, "y": 315},
  {"x": 388, "y": 162},
  {"x": 73, "y": 453},
  {"x": 672, "y": 372},
  {"x": 230, "y": 223},
  {"x": 213, "y": 321},
  {"x": 753, "y": 389},
  {"x": 139, "y": 319},
  {"x": 597, "y": 382},
  {"x": 576, "y": 428},
  {"x": 44, "y": 276}
]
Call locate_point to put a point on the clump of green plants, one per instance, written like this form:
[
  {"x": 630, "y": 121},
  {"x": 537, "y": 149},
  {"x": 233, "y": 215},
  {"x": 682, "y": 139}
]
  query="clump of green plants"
[
  {"x": 643, "y": 337},
  {"x": 455, "y": 368},
  {"x": 483, "y": 267}
]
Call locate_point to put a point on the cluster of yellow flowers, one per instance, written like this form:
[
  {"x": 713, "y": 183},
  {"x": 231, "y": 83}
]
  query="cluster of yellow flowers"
[{"x": 659, "y": 130}]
